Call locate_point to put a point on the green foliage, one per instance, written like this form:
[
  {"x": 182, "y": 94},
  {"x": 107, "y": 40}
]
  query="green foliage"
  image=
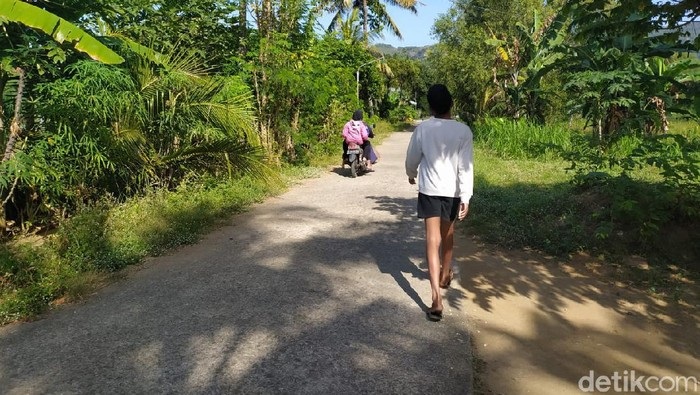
[
  {"x": 647, "y": 190},
  {"x": 403, "y": 113},
  {"x": 636, "y": 196},
  {"x": 161, "y": 220},
  {"x": 53, "y": 175},
  {"x": 156, "y": 122},
  {"x": 522, "y": 139},
  {"x": 622, "y": 77},
  {"x": 635, "y": 187},
  {"x": 272, "y": 91},
  {"x": 81, "y": 242},
  {"x": 407, "y": 78},
  {"x": 58, "y": 28},
  {"x": 30, "y": 278},
  {"x": 471, "y": 56},
  {"x": 522, "y": 62},
  {"x": 310, "y": 93},
  {"x": 204, "y": 29},
  {"x": 526, "y": 203},
  {"x": 105, "y": 237}
]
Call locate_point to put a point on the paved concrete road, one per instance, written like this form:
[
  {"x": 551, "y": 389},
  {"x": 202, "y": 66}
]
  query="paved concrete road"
[{"x": 320, "y": 290}]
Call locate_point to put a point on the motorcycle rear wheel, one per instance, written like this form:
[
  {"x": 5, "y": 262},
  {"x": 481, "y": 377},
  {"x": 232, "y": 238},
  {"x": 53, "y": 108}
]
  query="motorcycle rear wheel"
[{"x": 353, "y": 168}]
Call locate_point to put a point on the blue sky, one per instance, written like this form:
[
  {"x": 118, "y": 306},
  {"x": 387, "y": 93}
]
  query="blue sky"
[{"x": 415, "y": 28}]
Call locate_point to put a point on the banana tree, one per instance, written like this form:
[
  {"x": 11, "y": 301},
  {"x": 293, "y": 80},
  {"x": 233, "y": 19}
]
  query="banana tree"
[
  {"x": 669, "y": 85},
  {"x": 62, "y": 32},
  {"x": 527, "y": 57},
  {"x": 616, "y": 68}
]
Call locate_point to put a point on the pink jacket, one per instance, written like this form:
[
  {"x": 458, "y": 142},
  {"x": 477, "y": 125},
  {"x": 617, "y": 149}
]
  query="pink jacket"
[{"x": 355, "y": 132}]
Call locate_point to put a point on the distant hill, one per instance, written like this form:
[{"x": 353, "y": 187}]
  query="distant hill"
[{"x": 411, "y": 52}]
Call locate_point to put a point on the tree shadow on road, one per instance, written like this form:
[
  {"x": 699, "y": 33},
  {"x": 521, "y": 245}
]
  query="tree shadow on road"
[
  {"x": 303, "y": 314},
  {"x": 308, "y": 314},
  {"x": 404, "y": 209},
  {"x": 563, "y": 316},
  {"x": 560, "y": 319}
]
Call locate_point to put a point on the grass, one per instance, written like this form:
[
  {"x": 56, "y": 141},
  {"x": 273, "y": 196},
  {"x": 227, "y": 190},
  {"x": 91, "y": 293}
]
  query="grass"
[
  {"x": 685, "y": 127},
  {"x": 106, "y": 237},
  {"x": 524, "y": 196},
  {"x": 519, "y": 140},
  {"x": 526, "y": 199},
  {"x": 526, "y": 203}
]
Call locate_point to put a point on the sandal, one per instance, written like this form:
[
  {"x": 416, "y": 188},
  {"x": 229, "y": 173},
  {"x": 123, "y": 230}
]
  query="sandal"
[
  {"x": 434, "y": 315},
  {"x": 447, "y": 283}
]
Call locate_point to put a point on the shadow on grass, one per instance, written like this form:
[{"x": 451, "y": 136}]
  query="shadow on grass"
[{"x": 561, "y": 219}]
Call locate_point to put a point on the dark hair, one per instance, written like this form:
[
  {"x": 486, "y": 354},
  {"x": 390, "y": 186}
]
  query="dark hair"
[
  {"x": 357, "y": 115},
  {"x": 439, "y": 99}
]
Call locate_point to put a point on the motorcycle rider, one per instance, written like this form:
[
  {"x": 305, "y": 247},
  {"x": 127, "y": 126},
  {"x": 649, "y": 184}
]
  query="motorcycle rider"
[{"x": 355, "y": 131}]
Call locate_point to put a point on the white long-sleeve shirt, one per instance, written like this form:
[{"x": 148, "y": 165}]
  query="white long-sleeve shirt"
[{"x": 441, "y": 155}]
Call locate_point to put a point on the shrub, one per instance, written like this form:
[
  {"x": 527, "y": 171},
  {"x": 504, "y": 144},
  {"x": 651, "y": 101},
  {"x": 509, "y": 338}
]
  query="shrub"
[{"x": 403, "y": 113}]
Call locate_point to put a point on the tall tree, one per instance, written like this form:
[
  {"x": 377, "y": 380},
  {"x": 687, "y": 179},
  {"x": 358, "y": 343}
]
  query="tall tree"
[
  {"x": 284, "y": 30},
  {"x": 466, "y": 35}
]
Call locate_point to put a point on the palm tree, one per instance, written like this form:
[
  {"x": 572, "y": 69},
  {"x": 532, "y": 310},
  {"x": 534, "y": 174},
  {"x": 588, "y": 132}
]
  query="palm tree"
[
  {"x": 350, "y": 30},
  {"x": 374, "y": 11},
  {"x": 187, "y": 120},
  {"x": 161, "y": 118}
]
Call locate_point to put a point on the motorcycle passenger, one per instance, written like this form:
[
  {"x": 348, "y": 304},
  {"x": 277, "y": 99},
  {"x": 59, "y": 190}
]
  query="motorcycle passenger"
[{"x": 355, "y": 131}]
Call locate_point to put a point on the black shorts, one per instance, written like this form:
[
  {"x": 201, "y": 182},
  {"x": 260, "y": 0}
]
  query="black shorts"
[{"x": 438, "y": 206}]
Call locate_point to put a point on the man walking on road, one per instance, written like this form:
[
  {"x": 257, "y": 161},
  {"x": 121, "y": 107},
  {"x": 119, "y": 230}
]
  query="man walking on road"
[{"x": 440, "y": 154}]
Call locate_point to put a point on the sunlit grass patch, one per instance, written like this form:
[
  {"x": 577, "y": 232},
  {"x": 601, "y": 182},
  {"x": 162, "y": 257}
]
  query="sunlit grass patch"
[{"x": 522, "y": 139}]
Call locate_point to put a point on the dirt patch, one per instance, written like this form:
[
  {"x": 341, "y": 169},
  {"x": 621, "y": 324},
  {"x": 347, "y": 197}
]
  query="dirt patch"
[{"x": 541, "y": 324}]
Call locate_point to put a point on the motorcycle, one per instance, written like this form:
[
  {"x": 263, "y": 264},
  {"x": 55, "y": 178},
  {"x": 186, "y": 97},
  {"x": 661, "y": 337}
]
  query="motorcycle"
[{"x": 355, "y": 158}]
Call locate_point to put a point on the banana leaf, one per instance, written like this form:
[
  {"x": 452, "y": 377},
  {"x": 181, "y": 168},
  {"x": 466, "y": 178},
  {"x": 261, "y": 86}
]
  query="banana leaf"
[{"x": 60, "y": 29}]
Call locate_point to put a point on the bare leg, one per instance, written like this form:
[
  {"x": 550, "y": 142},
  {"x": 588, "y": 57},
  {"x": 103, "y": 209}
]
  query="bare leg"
[
  {"x": 447, "y": 235},
  {"x": 432, "y": 252}
]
